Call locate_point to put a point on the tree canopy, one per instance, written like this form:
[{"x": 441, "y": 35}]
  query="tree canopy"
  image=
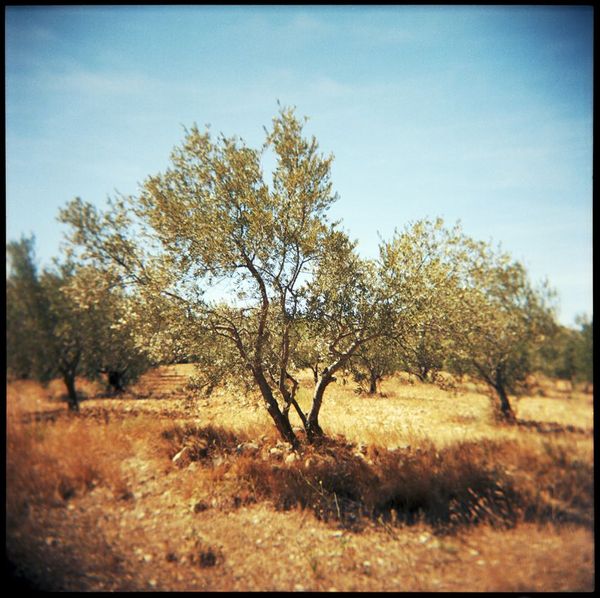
[{"x": 210, "y": 221}]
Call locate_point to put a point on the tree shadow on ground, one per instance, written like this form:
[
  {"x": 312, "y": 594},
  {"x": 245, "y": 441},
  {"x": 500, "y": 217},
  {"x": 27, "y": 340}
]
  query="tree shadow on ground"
[{"x": 551, "y": 427}]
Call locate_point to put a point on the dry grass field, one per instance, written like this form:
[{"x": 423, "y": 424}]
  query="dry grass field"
[{"x": 415, "y": 489}]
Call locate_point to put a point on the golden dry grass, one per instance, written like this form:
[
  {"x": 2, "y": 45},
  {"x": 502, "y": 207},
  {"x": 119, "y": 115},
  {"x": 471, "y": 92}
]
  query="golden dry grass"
[
  {"x": 49, "y": 464},
  {"x": 506, "y": 498}
]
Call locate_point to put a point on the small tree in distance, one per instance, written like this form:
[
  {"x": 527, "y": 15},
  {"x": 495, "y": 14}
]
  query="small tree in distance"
[
  {"x": 45, "y": 329},
  {"x": 373, "y": 362},
  {"x": 26, "y": 310},
  {"x": 501, "y": 322},
  {"x": 465, "y": 306},
  {"x": 110, "y": 346},
  {"x": 53, "y": 333},
  {"x": 584, "y": 350},
  {"x": 422, "y": 266},
  {"x": 568, "y": 353}
]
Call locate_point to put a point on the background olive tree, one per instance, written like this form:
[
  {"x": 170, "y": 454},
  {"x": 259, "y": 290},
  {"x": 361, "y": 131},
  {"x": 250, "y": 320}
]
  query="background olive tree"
[
  {"x": 45, "y": 329},
  {"x": 348, "y": 308},
  {"x": 465, "y": 306},
  {"x": 27, "y": 315},
  {"x": 112, "y": 345},
  {"x": 422, "y": 265},
  {"x": 568, "y": 353},
  {"x": 54, "y": 332},
  {"x": 373, "y": 362},
  {"x": 503, "y": 319}
]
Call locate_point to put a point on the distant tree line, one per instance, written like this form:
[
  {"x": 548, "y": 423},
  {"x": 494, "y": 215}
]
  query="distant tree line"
[{"x": 211, "y": 263}]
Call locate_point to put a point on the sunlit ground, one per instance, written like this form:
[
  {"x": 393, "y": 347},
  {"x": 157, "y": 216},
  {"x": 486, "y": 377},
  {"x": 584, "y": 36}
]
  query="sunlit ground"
[{"x": 95, "y": 502}]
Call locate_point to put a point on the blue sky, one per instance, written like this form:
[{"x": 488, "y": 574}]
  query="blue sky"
[{"x": 482, "y": 114}]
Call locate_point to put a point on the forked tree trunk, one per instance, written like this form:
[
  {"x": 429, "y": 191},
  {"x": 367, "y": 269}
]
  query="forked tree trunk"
[
  {"x": 282, "y": 422},
  {"x": 313, "y": 429}
]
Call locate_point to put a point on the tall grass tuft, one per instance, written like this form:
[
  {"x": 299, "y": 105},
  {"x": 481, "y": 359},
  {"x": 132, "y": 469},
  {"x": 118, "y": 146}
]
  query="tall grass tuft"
[{"x": 49, "y": 463}]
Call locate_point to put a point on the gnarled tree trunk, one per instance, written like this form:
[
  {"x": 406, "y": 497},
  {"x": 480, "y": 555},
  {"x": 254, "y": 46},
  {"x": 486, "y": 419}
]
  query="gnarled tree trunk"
[
  {"x": 281, "y": 420},
  {"x": 72, "y": 398},
  {"x": 499, "y": 386},
  {"x": 313, "y": 429}
]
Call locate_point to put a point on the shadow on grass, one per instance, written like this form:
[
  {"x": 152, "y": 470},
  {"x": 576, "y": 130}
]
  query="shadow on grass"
[
  {"x": 551, "y": 427},
  {"x": 464, "y": 484}
]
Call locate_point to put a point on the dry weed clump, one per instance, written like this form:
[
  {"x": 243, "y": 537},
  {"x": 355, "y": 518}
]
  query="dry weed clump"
[
  {"x": 201, "y": 441},
  {"x": 461, "y": 483},
  {"x": 469, "y": 482},
  {"x": 334, "y": 485},
  {"x": 554, "y": 481},
  {"x": 49, "y": 463},
  {"x": 341, "y": 484}
]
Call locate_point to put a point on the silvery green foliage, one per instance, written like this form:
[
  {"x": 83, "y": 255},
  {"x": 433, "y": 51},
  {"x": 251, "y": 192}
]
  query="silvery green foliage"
[
  {"x": 501, "y": 321},
  {"x": 463, "y": 305},
  {"x": 423, "y": 266},
  {"x": 208, "y": 242},
  {"x": 45, "y": 328},
  {"x": 27, "y": 335},
  {"x": 65, "y": 322}
]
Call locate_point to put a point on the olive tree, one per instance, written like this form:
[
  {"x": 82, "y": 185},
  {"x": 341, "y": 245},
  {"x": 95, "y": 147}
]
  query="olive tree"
[
  {"x": 110, "y": 335},
  {"x": 55, "y": 331},
  {"x": 584, "y": 351},
  {"x": 235, "y": 253},
  {"x": 46, "y": 330},
  {"x": 464, "y": 305},
  {"x": 568, "y": 353},
  {"x": 501, "y": 322},
  {"x": 422, "y": 266},
  {"x": 348, "y": 307},
  {"x": 27, "y": 315},
  {"x": 373, "y": 362}
]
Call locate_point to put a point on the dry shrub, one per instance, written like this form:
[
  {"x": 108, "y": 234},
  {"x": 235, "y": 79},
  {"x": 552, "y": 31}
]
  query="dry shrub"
[
  {"x": 465, "y": 483},
  {"x": 203, "y": 441},
  {"x": 461, "y": 483},
  {"x": 334, "y": 488},
  {"x": 554, "y": 483},
  {"x": 447, "y": 487},
  {"x": 48, "y": 463},
  {"x": 24, "y": 396}
]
